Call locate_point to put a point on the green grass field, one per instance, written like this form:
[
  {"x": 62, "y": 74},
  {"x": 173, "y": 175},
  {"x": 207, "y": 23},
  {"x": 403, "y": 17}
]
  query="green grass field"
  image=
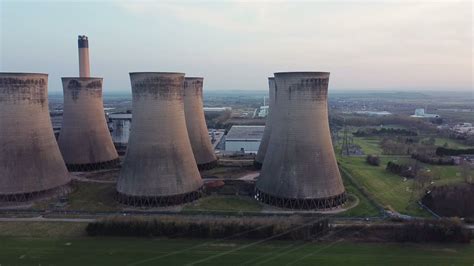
[
  {"x": 225, "y": 204},
  {"x": 389, "y": 189},
  {"x": 88, "y": 197},
  {"x": 134, "y": 251},
  {"x": 364, "y": 208},
  {"x": 386, "y": 188},
  {"x": 370, "y": 145},
  {"x": 452, "y": 144}
]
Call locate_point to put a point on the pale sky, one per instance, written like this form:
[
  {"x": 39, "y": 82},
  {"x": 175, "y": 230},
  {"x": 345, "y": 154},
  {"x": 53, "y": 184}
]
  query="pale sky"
[{"x": 383, "y": 45}]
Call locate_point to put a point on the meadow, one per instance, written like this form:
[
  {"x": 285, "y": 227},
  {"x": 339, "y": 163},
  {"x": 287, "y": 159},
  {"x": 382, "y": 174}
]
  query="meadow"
[{"x": 156, "y": 251}]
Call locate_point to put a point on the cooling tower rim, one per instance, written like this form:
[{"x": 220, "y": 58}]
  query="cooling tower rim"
[
  {"x": 159, "y": 73},
  {"x": 271, "y": 78},
  {"x": 299, "y": 73},
  {"x": 191, "y": 78},
  {"x": 82, "y": 78},
  {"x": 22, "y": 74}
]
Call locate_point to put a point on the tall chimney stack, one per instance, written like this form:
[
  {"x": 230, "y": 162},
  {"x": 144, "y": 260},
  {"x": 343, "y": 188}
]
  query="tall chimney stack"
[{"x": 84, "y": 67}]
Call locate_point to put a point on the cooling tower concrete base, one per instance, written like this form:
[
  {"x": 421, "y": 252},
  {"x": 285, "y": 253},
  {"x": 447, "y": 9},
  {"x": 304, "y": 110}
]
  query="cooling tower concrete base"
[
  {"x": 301, "y": 204},
  {"x": 93, "y": 166},
  {"x": 138, "y": 201},
  {"x": 85, "y": 141},
  {"x": 25, "y": 197},
  {"x": 159, "y": 167},
  {"x": 30, "y": 162},
  {"x": 208, "y": 166},
  {"x": 300, "y": 169}
]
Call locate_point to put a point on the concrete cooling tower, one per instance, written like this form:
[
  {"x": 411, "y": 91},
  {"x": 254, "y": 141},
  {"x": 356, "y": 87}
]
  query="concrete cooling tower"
[
  {"x": 85, "y": 140},
  {"x": 159, "y": 167},
  {"x": 30, "y": 162},
  {"x": 300, "y": 169},
  {"x": 196, "y": 124},
  {"x": 262, "y": 149}
]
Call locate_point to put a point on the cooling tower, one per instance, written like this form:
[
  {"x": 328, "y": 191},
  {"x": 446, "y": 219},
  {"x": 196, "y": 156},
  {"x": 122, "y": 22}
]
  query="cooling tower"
[
  {"x": 30, "y": 162},
  {"x": 196, "y": 124},
  {"x": 85, "y": 140},
  {"x": 159, "y": 167},
  {"x": 262, "y": 149},
  {"x": 300, "y": 169}
]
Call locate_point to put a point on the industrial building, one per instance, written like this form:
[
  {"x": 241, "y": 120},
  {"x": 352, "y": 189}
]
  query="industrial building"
[
  {"x": 120, "y": 126},
  {"x": 243, "y": 139},
  {"x": 159, "y": 167},
  {"x": 300, "y": 169},
  {"x": 196, "y": 124},
  {"x": 268, "y": 126},
  {"x": 210, "y": 110},
  {"x": 30, "y": 161},
  {"x": 420, "y": 113},
  {"x": 85, "y": 140},
  {"x": 263, "y": 111}
]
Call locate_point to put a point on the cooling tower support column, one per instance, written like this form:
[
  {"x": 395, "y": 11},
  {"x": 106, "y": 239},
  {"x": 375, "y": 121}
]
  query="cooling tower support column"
[
  {"x": 159, "y": 167},
  {"x": 262, "y": 149},
  {"x": 30, "y": 162},
  {"x": 300, "y": 169},
  {"x": 85, "y": 140},
  {"x": 196, "y": 124}
]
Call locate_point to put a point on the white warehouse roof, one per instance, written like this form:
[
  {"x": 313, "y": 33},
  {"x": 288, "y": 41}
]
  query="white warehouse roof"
[{"x": 245, "y": 133}]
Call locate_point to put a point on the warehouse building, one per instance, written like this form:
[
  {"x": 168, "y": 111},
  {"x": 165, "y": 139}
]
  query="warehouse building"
[
  {"x": 244, "y": 139},
  {"x": 120, "y": 125}
]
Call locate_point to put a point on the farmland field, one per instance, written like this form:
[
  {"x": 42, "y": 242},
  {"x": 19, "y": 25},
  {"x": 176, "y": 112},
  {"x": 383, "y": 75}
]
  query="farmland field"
[{"x": 135, "y": 251}]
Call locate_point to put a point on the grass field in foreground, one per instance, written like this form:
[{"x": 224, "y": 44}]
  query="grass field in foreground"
[
  {"x": 364, "y": 208},
  {"x": 134, "y": 251}
]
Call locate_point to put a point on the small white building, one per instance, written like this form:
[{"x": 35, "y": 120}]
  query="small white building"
[
  {"x": 420, "y": 113},
  {"x": 244, "y": 139},
  {"x": 263, "y": 111}
]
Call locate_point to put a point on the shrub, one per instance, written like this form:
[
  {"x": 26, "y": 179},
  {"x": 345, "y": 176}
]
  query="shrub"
[
  {"x": 373, "y": 160},
  {"x": 400, "y": 169}
]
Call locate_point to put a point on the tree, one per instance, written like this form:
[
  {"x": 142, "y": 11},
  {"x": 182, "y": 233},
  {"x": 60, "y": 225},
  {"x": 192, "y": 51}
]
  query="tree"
[{"x": 467, "y": 172}]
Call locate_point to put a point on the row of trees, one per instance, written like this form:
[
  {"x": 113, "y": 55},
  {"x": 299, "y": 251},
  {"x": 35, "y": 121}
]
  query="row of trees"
[
  {"x": 451, "y": 200},
  {"x": 212, "y": 227},
  {"x": 442, "y": 151},
  {"x": 403, "y": 120},
  {"x": 428, "y": 159},
  {"x": 384, "y": 132}
]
